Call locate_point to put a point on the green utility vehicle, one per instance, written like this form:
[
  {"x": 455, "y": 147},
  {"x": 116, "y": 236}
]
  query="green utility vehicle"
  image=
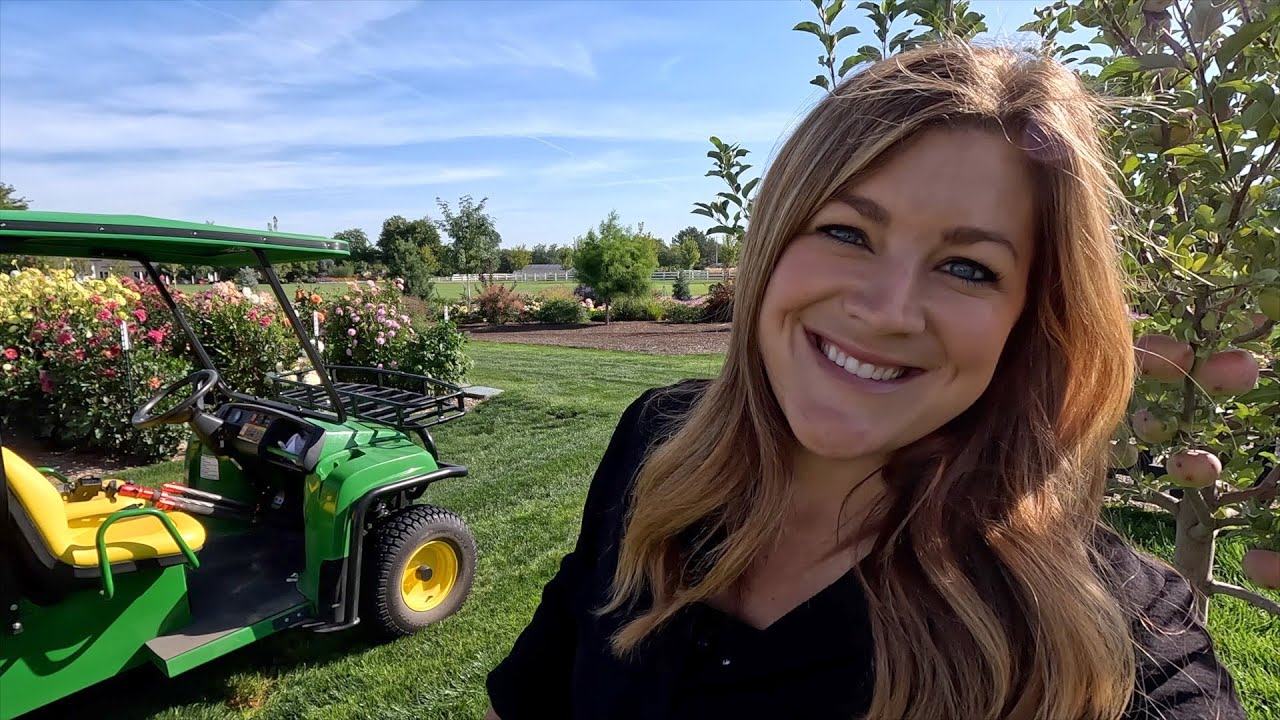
[{"x": 297, "y": 511}]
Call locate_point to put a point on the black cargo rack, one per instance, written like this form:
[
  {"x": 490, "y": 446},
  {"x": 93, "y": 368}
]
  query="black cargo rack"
[{"x": 406, "y": 401}]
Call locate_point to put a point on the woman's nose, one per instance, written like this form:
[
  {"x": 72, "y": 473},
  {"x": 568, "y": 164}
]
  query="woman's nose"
[{"x": 888, "y": 300}]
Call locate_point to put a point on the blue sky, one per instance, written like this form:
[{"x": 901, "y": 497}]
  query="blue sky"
[{"x": 337, "y": 114}]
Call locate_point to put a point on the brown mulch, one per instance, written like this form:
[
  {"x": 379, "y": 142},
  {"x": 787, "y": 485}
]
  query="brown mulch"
[{"x": 636, "y": 336}]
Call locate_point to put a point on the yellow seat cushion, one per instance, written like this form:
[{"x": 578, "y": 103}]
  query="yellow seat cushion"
[{"x": 70, "y": 530}]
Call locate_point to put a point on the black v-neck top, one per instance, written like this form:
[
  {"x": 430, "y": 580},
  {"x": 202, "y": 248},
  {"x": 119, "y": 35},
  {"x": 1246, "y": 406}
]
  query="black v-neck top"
[{"x": 813, "y": 663}]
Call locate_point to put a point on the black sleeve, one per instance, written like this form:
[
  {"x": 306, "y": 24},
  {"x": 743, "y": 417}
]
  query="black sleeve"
[
  {"x": 1179, "y": 676},
  {"x": 533, "y": 681}
]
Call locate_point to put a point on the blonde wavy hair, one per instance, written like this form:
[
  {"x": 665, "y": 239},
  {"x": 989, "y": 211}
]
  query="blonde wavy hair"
[{"x": 987, "y": 597}]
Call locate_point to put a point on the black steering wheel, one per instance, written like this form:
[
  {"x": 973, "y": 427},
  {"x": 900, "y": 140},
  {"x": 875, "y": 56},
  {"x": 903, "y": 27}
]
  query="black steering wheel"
[{"x": 204, "y": 380}]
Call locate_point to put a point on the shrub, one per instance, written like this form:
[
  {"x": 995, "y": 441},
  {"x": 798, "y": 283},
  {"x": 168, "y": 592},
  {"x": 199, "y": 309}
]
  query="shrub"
[
  {"x": 64, "y": 373},
  {"x": 561, "y": 311},
  {"x": 637, "y": 308},
  {"x": 247, "y": 277},
  {"x": 680, "y": 288},
  {"x": 682, "y": 313},
  {"x": 719, "y": 304},
  {"x": 246, "y": 336},
  {"x": 343, "y": 270},
  {"x": 586, "y": 293},
  {"x": 498, "y": 304},
  {"x": 438, "y": 352},
  {"x": 596, "y": 314},
  {"x": 366, "y": 327}
]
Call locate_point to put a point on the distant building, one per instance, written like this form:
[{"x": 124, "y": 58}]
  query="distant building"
[{"x": 540, "y": 269}]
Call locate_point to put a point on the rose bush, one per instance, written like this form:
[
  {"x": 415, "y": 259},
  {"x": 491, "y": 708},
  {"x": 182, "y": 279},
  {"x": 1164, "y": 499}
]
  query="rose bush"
[
  {"x": 245, "y": 334},
  {"x": 66, "y": 375},
  {"x": 368, "y": 327}
]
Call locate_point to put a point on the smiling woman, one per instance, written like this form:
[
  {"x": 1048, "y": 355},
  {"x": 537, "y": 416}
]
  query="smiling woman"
[{"x": 887, "y": 503}]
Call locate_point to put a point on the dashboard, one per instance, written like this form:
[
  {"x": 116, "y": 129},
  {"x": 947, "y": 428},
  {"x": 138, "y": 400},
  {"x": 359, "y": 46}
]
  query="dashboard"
[{"x": 270, "y": 436}]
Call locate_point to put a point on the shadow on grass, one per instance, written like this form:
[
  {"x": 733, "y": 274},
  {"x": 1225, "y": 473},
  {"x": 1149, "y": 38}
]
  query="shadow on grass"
[{"x": 220, "y": 684}]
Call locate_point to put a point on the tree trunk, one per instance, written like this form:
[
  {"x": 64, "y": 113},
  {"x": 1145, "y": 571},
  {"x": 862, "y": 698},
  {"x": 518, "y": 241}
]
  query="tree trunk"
[
  {"x": 607, "y": 308},
  {"x": 1194, "y": 547}
]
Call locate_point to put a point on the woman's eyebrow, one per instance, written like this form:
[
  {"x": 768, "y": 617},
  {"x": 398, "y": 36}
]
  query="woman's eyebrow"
[
  {"x": 963, "y": 235},
  {"x": 869, "y": 208}
]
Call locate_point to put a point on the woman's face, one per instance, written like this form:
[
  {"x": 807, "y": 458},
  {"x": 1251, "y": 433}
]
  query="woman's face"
[{"x": 885, "y": 317}]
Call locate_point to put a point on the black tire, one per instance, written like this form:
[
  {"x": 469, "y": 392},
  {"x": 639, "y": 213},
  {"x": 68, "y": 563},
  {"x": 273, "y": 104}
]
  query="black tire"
[{"x": 391, "y": 547}]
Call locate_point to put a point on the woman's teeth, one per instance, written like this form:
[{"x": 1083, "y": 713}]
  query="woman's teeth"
[{"x": 865, "y": 370}]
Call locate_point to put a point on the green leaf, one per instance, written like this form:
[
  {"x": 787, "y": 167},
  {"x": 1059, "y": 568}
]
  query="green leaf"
[
  {"x": 849, "y": 63},
  {"x": 1188, "y": 150},
  {"x": 1205, "y": 17},
  {"x": 721, "y": 229},
  {"x": 746, "y": 191},
  {"x": 833, "y": 11},
  {"x": 845, "y": 32},
  {"x": 1204, "y": 214},
  {"x": 1238, "y": 41},
  {"x": 1130, "y": 164},
  {"x": 1157, "y": 61},
  {"x": 1120, "y": 66},
  {"x": 821, "y": 81}
]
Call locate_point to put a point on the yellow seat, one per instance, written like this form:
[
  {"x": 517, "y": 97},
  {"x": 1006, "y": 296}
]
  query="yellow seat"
[{"x": 70, "y": 530}]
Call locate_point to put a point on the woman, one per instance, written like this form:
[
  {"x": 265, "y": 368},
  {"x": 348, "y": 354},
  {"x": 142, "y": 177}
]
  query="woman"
[{"x": 886, "y": 505}]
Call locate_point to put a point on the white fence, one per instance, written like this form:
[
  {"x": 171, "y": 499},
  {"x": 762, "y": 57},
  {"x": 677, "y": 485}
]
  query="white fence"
[{"x": 569, "y": 275}]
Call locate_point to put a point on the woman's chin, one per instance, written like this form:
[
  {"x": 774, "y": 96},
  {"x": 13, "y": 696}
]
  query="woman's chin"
[{"x": 841, "y": 441}]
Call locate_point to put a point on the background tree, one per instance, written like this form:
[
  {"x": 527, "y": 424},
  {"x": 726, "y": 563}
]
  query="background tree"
[
  {"x": 408, "y": 248},
  {"x": 9, "y": 199},
  {"x": 475, "y": 239},
  {"x": 358, "y": 245},
  {"x": 514, "y": 259},
  {"x": 1198, "y": 151},
  {"x": 614, "y": 261},
  {"x": 564, "y": 256},
  {"x": 688, "y": 253},
  {"x": 706, "y": 246}
]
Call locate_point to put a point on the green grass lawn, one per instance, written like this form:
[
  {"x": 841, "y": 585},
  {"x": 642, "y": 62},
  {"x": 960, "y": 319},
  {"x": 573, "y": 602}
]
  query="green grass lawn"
[{"x": 532, "y": 451}]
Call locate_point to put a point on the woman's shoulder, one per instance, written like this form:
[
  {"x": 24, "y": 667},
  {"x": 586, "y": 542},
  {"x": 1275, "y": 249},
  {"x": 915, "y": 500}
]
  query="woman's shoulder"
[
  {"x": 660, "y": 410},
  {"x": 1178, "y": 672}
]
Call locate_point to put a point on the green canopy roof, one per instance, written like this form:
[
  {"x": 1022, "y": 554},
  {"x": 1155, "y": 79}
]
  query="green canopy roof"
[{"x": 58, "y": 234}]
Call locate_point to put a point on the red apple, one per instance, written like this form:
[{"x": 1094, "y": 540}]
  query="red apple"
[
  {"x": 1262, "y": 567},
  {"x": 1230, "y": 372},
  {"x": 1194, "y": 468},
  {"x": 1163, "y": 358},
  {"x": 1151, "y": 429}
]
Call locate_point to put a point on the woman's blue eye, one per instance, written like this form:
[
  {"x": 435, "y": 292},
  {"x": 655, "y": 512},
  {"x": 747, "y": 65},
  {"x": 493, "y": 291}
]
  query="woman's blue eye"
[
  {"x": 845, "y": 234},
  {"x": 971, "y": 272}
]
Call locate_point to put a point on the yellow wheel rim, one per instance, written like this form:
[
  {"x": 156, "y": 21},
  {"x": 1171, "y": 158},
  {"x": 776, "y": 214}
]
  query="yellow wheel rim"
[{"x": 429, "y": 576}]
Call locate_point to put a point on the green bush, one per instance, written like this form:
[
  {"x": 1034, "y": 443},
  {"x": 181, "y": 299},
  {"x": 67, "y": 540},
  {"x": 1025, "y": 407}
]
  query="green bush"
[
  {"x": 637, "y": 308},
  {"x": 561, "y": 311},
  {"x": 247, "y": 277},
  {"x": 245, "y": 336},
  {"x": 682, "y": 313},
  {"x": 438, "y": 351},
  {"x": 370, "y": 327},
  {"x": 680, "y": 288},
  {"x": 343, "y": 270},
  {"x": 597, "y": 314}
]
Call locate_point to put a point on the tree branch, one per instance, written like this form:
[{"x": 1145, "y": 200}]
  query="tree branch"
[
  {"x": 1235, "y": 522},
  {"x": 1258, "y": 168},
  {"x": 1259, "y": 332},
  {"x": 1264, "y": 491},
  {"x": 1201, "y": 508},
  {"x": 1248, "y": 596},
  {"x": 1160, "y": 499}
]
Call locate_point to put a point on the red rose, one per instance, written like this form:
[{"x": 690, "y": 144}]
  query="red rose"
[
  {"x": 10, "y": 353},
  {"x": 64, "y": 338},
  {"x": 140, "y": 314},
  {"x": 108, "y": 372}
]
